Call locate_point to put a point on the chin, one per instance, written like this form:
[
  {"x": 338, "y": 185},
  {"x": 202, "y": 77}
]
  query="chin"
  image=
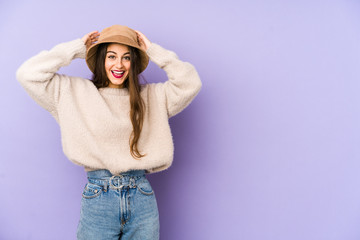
[{"x": 118, "y": 83}]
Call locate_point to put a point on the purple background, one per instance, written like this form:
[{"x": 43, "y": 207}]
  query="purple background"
[{"x": 268, "y": 150}]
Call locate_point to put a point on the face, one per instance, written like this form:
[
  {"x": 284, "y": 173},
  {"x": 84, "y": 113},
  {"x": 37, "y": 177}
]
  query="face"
[{"x": 117, "y": 64}]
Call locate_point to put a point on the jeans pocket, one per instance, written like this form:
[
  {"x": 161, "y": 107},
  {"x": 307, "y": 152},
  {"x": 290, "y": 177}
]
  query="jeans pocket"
[
  {"x": 145, "y": 188},
  {"x": 91, "y": 191}
]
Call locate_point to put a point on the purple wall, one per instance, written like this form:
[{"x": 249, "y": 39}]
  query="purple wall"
[{"x": 268, "y": 150}]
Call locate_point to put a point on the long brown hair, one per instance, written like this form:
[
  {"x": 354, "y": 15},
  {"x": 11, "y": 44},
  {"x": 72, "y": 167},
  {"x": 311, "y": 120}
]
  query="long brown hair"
[{"x": 137, "y": 106}]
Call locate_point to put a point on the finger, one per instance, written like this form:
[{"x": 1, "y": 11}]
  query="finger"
[
  {"x": 140, "y": 40},
  {"x": 94, "y": 35},
  {"x": 94, "y": 39},
  {"x": 93, "y": 32},
  {"x": 138, "y": 34}
]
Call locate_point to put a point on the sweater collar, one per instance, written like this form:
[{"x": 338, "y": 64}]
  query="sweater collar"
[{"x": 114, "y": 91}]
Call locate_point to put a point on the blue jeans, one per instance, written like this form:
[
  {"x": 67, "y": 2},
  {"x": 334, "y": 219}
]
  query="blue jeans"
[{"x": 118, "y": 207}]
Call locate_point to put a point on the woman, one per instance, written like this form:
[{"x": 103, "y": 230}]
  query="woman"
[{"x": 113, "y": 126}]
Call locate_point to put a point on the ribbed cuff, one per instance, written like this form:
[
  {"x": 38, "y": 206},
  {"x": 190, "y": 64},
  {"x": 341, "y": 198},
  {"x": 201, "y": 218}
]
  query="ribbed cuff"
[{"x": 80, "y": 48}]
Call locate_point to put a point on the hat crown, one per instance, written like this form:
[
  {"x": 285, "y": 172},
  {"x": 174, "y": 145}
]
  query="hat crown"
[{"x": 117, "y": 30}]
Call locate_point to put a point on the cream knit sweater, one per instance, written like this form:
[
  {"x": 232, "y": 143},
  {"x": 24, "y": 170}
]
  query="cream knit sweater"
[{"x": 95, "y": 124}]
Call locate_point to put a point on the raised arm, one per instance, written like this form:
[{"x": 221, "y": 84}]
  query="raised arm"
[
  {"x": 183, "y": 80},
  {"x": 38, "y": 74}
]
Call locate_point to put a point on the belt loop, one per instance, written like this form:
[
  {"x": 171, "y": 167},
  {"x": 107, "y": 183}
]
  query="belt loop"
[
  {"x": 132, "y": 183},
  {"x": 105, "y": 186}
]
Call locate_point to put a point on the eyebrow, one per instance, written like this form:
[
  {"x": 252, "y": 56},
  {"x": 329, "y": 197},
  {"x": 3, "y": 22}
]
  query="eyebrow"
[{"x": 116, "y": 53}]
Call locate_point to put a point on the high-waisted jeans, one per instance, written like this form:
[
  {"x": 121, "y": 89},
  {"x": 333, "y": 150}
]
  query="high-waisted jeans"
[{"x": 118, "y": 207}]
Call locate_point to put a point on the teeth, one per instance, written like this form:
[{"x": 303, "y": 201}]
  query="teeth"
[{"x": 118, "y": 72}]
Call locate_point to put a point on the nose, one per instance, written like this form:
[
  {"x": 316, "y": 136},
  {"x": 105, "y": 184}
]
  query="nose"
[{"x": 119, "y": 63}]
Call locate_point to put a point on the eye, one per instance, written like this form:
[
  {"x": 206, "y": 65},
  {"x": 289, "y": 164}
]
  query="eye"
[
  {"x": 126, "y": 58},
  {"x": 111, "y": 57}
]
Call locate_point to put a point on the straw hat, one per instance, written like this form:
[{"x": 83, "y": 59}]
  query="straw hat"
[{"x": 116, "y": 34}]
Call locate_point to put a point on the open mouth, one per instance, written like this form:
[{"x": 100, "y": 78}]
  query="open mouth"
[{"x": 117, "y": 74}]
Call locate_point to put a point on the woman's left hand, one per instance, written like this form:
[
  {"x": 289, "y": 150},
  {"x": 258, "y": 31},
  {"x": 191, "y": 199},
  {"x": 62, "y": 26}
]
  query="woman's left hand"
[{"x": 143, "y": 41}]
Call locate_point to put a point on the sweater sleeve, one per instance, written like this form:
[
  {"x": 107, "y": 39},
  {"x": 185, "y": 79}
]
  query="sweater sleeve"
[
  {"x": 38, "y": 74},
  {"x": 183, "y": 82}
]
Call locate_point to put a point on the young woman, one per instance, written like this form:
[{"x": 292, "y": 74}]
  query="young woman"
[{"x": 112, "y": 125}]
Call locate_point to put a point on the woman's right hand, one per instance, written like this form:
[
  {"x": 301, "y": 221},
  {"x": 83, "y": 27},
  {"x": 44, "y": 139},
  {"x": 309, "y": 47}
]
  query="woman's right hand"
[{"x": 90, "y": 38}]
